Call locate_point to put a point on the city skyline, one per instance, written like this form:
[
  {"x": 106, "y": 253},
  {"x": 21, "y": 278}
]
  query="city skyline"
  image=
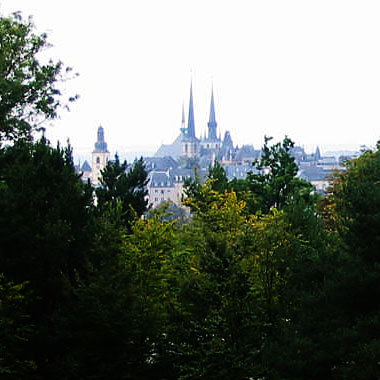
[{"x": 309, "y": 71}]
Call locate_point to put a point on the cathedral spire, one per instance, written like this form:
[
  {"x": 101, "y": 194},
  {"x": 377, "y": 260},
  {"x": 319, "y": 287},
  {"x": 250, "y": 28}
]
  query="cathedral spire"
[
  {"x": 183, "y": 123},
  {"x": 318, "y": 153},
  {"x": 212, "y": 124},
  {"x": 191, "y": 124},
  {"x": 183, "y": 115}
]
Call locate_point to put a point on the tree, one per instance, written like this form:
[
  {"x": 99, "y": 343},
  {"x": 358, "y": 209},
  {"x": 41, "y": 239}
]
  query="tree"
[
  {"x": 194, "y": 190},
  {"x": 15, "y": 330},
  {"x": 352, "y": 212},
  {"x": 45, "y": 236},
  {"x": 218, "y": 176},
  {"x": 276, "y": 183},
  {"x": 128, "y": 188},
  {"x": 252, "y": 282},
  {"x": 28, "y": 88}
]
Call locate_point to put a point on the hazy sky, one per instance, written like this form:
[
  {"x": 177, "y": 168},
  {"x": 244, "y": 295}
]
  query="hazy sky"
[{"x": 308, "y": 69}]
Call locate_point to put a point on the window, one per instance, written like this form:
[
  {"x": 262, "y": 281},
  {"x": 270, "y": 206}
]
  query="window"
[{"x": 98, "y": 160}]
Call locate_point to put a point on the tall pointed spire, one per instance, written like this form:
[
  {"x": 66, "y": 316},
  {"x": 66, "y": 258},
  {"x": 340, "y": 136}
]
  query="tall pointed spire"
[
  {"x": 183, "y": 123},
  {"x": 212, "y": 124},
  {"x": 191, "y": 123},
  {"x": 183, "y": 115},
  {"x": 318, "y": 153}
]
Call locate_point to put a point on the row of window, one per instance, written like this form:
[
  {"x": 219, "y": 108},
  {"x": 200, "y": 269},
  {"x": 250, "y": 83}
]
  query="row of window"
[{"x": 98, "y": 160}]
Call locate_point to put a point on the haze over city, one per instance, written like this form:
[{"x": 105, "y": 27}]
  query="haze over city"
[{"x": 309, "y": 70}]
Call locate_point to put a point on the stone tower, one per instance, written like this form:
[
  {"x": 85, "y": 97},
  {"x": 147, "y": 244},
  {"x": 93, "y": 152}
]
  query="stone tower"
[
  {"x": 190, "y": 144},
  {"x": 100, "y": 157}
]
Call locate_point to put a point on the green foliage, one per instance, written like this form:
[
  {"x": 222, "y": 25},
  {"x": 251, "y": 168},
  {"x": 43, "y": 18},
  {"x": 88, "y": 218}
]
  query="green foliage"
[
  {"x": 46, "y": 232},
  {"x": 273, "y": 184},
  {"x": 28, "y": 88},
  {"x": 152, "y": 262},
  {"x": 213, "y": 292},
  {"x": 219, "y": 177},
  {"x": 15, "y": 330},
  {"x": 353, "y": 217},
  {"x": 128, "y": 188},
  {"x": 44, "y": 217},
  {"x": 258, "y": 283},
  {"x": 276, "y": 184}
]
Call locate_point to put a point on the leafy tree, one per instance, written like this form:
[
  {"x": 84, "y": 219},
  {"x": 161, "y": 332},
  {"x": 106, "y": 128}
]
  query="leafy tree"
[
  {"x": 168, "y": 211},
  {"x": 118, "y": 324},
  {"x": 219, "y": 331},
  {"x": 150, "y": 257},
  {"x": 46, "y": 233},
  {"x": 273, "y": 184},
  {"x": 332, "y": 315},
  {"x": 276, "y": 183},
  {"x": 191, "y": 188},
  {"x": 128, "y": 188},
  {"x": 251, "y": 285},
  {"x": 352, "y": 213},
  {"x": 15, "y": 330},
  {"x": 194, "y": 190},
  {"x": 218, "y": 176},
  {"x": 28, "y": 88}
]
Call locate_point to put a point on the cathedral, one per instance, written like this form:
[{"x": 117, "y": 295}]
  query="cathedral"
[
  {"x": 204, "y": 150},
  {"x": 174, "y": 163}
]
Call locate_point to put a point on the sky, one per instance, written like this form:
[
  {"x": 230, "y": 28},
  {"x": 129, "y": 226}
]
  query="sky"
[{"x": 306, "y": 69}]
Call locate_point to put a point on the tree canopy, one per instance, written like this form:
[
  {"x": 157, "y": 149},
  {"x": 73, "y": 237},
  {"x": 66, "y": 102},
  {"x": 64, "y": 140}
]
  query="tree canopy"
[
  {"x": 126, "y": 186},
  {"x": 262, "y": 281},
  {"x": 29, "y": 91}
]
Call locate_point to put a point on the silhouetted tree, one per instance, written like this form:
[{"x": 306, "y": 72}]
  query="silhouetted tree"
[{"x": 127, "y": 187}]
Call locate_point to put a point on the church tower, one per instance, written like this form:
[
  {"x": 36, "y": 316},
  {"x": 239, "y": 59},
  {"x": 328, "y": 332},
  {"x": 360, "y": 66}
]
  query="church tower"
[
  {"x": 190, "y": 144},
  {"x": 212, "y": 142},
  {"x": 183, "y": 123},
  {"x": 212, "y": 124},
  {"x": 100, "y": 157}
]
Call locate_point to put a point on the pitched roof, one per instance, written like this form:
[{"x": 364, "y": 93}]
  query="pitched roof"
[
  {"x": 85, "y": 167},
  {"x": 173, "y": 150},
  {"x": 315, "y": 173},
  {"x": 160, "y": 179},
  {"x": 160, "y": 163}
]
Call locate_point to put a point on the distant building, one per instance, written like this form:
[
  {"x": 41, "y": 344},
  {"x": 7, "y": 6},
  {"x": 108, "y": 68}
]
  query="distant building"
[
  {"x": 205, "y": 149},
  {"x": 100, "y": 157},
  {"x": 161, "y": 188},
  {"x": 174, "y": 163},
  {"x": 317, "y": 176}
]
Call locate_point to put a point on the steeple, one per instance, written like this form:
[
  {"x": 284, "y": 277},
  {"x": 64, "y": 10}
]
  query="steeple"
[
  {"x": 183, "y": 123},
  {"x": 100, "y": 145},
  {"x": 318, "y": 153},
  {"x": 212, "y": 124},
  {"x": 191, "y": 124},
  {"x": 100, "y": 157}
]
